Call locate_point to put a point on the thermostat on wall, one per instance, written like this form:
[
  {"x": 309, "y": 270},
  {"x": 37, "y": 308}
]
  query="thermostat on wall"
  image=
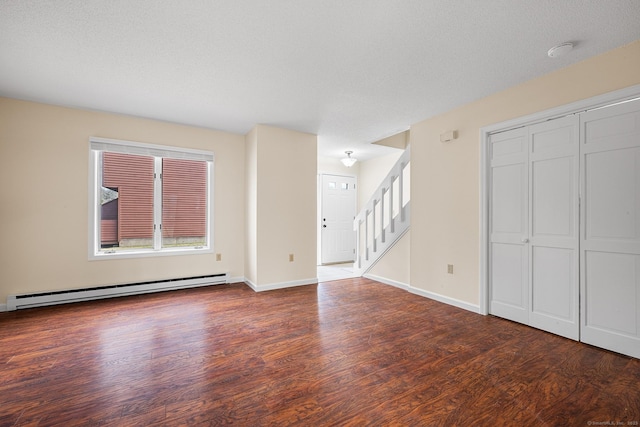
[{"x": 448, "y": 136}]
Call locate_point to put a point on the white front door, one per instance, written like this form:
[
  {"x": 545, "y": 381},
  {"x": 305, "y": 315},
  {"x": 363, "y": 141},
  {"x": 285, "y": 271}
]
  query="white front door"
[
  {"x": 610, "y": 228},
  {"x": 533, "y": 270},
  {"x": 338, "y": 238}
]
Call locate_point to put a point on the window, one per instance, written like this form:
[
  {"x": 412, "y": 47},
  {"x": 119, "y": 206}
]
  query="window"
[{"x": 148, "y": 199}]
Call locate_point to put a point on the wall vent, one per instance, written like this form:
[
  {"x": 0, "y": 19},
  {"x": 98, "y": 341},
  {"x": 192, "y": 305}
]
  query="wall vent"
[{"x": 15, "y": 302}]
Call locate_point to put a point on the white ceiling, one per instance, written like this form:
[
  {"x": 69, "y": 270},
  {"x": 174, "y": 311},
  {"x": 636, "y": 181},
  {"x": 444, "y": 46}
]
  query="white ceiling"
[{"x": 351, "y": 72}]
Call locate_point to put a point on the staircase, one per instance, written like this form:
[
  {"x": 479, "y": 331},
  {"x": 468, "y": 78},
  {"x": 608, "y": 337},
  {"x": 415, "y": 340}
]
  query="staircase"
[{"x": 385, "y": 218}]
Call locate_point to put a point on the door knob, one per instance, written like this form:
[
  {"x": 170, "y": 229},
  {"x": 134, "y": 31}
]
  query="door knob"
[
  {"x": 525, "y": 240},
  {"x": 324, "y": 226}
]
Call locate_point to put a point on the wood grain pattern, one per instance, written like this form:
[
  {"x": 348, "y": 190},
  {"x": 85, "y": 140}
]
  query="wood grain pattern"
[{"x": 351, "y": 352}]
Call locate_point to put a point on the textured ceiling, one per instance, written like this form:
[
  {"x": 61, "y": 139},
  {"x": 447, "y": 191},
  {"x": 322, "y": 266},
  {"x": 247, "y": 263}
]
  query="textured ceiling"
[{"x": 350, "y": 71}]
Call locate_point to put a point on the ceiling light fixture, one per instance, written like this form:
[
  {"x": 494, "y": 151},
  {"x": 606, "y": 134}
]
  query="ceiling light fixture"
[
  {"x": 560, "y": 50},
  {"x": 349, "y": 161}
]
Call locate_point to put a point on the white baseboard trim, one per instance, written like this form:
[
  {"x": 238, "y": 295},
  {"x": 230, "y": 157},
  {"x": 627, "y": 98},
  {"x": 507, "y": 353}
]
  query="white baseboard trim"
[
  {"x": 3, "y": 307},
  {"x": 281, "y": 285},
  {"x": 444, "y": 299},
  {"x": 236, "y": 280},
  {"x": 386, "y": 281},
  {"x": 431, "y": 295}
]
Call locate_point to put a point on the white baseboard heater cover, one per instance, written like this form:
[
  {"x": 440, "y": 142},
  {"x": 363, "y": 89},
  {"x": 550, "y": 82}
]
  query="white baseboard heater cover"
[{"x": 15, "y": 302}]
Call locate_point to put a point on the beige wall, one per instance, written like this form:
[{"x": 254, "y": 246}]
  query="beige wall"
[
  {"x": 394, "y": 267},
  {"x": 44, "y": 199},
  {"x": 445, "y": 177},
  {"x": 264, "y": 207},
  {"x": 285, "y": 206}
]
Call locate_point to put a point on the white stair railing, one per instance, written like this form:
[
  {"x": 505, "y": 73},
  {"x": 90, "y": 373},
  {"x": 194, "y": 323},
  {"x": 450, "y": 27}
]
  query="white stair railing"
[{"x": 385, "y": 218}]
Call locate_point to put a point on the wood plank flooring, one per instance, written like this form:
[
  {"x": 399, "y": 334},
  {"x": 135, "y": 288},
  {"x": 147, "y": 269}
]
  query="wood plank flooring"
[{"x": 350, "y": 353}]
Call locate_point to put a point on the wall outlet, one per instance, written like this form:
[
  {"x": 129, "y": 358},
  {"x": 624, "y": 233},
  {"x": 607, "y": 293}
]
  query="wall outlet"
[
  {"x": 218, "y": 257},
  {"x": 450, "y": 268},
  {"x": 290, "y": 257}
]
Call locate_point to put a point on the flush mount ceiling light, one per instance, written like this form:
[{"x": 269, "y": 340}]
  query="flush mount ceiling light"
[
  {"x": 560, "y": 50},
  {"x": 349, "y": 161}
]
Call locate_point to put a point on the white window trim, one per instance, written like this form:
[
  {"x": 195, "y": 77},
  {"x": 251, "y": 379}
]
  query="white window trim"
[{"x": 132, "y": 147}]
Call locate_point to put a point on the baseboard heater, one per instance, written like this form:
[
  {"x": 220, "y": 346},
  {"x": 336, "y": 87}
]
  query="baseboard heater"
[{"x": 15, "y": 302}]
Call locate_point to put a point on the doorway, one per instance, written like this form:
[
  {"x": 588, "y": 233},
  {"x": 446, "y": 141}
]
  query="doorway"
[{"x": 337, "y": 211}]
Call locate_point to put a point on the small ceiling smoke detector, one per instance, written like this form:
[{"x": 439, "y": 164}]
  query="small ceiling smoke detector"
[{"x": 560, "y": 50}]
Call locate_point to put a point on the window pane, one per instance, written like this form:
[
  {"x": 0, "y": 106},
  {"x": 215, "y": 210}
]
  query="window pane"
[
  {"x": 126, "y": 199},
  {"x": 184, "y": 203}
]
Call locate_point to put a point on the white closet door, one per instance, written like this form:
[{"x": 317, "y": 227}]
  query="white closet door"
[
  {"x": 508, "y": 248},
  {"x": 553, "y": 241},
  {"x": 610, "y": 228},
  {"x": 534, "y": 254}
]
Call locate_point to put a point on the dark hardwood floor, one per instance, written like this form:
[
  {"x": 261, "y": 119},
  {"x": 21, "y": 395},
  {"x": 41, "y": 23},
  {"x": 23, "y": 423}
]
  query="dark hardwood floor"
[{"x": 351, "y": 352}]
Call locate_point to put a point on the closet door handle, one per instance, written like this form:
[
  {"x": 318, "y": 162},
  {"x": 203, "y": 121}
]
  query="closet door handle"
[{"x": 525, "y": 240}]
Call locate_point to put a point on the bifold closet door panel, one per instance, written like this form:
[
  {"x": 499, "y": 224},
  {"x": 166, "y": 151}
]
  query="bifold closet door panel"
[
  {"x": 508, "y": 250},
  {"x": 610, "y": 230},
  {"x": 554, "y": 199},
  {"x": 533, "y": 250}
]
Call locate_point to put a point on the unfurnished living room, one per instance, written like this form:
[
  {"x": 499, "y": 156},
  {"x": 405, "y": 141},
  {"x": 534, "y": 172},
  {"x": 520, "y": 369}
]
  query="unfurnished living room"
[{"x": 361, "y": 213}]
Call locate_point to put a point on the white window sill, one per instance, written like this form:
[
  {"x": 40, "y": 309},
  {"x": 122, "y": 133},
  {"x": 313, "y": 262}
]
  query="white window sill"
[{"x": 125, "y": 254}]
